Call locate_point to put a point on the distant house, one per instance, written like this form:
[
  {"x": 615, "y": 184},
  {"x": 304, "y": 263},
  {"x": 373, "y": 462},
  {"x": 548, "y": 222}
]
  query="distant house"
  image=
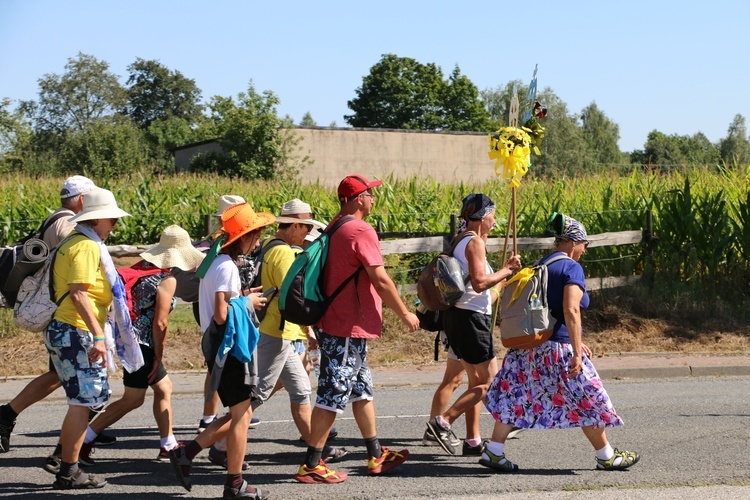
[{"x": 183, "y": 155}]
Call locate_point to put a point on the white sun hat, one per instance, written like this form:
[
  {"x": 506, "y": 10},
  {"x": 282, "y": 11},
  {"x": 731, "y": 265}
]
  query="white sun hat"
[
  {"x": 227, "y": 201},
  {"x": 99, "y": 203},
  {"x": 297, "y": 207},
  {"x": 75, "y": 185},
  {"x": 174, "y": 250}
]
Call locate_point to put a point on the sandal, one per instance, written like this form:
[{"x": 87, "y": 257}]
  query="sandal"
[
  {"x": 497, "y": 462},
  {"x": 332, "y": 454},
  {"x": 78, "y": 481},
  {"x": 627, "y": 458}
]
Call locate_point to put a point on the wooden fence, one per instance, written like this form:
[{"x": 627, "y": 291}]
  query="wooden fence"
[{"x": 440, "y": 243}]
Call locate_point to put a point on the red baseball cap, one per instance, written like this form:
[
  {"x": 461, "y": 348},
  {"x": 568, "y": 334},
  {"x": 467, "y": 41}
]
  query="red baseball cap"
[{"x": 352, "y": 185}]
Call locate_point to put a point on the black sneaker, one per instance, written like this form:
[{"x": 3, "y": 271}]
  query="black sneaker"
[
  {"x": 78, "y": 481},
  {"x": 5, "y": 431},
  {"x": 182, "y": 466},
  {"x": 444, "y": 437},
  {"x": 104, "y": 439},
  {"x": 473, "y": 451},
  {"x": 245, "y": 491}
]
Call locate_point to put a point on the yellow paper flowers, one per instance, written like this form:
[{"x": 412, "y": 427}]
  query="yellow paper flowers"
[{"x": 510, "y": 147}]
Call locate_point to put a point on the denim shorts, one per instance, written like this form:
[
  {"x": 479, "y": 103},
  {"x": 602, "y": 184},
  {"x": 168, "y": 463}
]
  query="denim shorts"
[
  {"x": 299, "y": 346},
  {"x": 85, "y": 383},
  {"x": 344, "y": 373}
]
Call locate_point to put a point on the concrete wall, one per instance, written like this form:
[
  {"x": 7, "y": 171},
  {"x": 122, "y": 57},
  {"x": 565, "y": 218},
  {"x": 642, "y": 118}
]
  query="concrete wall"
[{"x": 376, "y": 153}]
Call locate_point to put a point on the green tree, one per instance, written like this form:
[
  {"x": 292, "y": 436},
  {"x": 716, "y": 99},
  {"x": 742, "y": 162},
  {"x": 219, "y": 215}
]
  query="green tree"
[
  {"x": 15, "y": 136},
  {"x": 87, "y": 91},
  {"x": 399, "y": 93},
  {"x": 307, "y": 120},
  {"x": 601, "y": 135},
  {"x": 256, "y": 142},
  {"x": 735, "y": 147},
  {"x": 462, "y": 107},
  {"x": 497, "y": 101},
  {"x": 156, "y": 93},
  {"x": 661, "y": 151},
  {"x": 564, "y": 149}
]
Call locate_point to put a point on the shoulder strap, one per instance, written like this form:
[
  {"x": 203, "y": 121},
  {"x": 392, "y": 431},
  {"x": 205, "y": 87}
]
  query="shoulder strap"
[
  {"x": 554, "y": 259},
  {"x": 343, "y": 220},
  {"x": 458, "y": 239},
  {"x": 51, "y": 220},
  {"x": 51, "y": 273},
  {"x": 330, "y": 230}
]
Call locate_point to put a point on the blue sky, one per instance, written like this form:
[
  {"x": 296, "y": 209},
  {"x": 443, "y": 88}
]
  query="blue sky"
[{"x": 673, "y": 66}]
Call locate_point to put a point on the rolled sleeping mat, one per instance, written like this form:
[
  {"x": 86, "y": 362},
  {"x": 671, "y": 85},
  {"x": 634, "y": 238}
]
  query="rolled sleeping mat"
[{"x": 29, "y": 258}]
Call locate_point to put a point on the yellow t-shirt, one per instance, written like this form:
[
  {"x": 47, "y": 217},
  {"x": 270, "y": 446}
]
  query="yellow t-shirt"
[
  {"x": 78, "y": 261},
  {"x": 276, "y": 263}
]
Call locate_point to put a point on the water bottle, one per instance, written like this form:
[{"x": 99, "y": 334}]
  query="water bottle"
[
  {"x": 535, "y": 303},
  {"x": 315, "y": 360}
]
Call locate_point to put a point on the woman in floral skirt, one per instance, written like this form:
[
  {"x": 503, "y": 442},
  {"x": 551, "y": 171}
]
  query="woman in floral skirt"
[{"x": 555, "y": 385}]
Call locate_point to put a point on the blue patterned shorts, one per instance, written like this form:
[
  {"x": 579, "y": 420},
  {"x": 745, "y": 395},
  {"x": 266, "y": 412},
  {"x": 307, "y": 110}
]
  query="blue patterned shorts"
[
  {"x": 299, "y": 346},
  {"x": 85, "y": 384},
  {"x": 344, "y": 373}
]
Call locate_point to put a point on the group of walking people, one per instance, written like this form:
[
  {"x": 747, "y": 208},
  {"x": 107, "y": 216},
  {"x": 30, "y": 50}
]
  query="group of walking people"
[{"x": 251, "y": 351}]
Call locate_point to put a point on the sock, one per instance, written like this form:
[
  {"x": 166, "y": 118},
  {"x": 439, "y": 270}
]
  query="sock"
[
  {"x": 497, "y": 449},
  {"x": 221, "y": 445},
  {"x": 474, "y": 442},
  {"x": 443, "y": 422},
  {"x": 605, "y": 453},
  {"x": 313, "y": 456},
  {"x": 373, "y": 447},
  {"x": 207, "y": 419},
  {"x": 168, "y": 443},
  {"x": 58, "y": 450},
  {"x": 67, "y": 470},
  {"x": 192, "y": 449},
  {"x": 233, "y": 481},
  {"x": 90, "y": 435},
  {"x": 7, "y": 414}
]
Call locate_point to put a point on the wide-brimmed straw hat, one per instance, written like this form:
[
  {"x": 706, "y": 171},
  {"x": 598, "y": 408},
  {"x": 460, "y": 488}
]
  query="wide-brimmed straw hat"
[
  {"x": 174, "y": 250},
  {"x": 241, "y": 219},
  {"x": 297, "y": 207},
  {"x": 99, "y": 203}
]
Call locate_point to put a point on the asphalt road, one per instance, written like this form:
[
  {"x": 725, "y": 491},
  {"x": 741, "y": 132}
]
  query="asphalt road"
[{"x": 692, "y": 435}]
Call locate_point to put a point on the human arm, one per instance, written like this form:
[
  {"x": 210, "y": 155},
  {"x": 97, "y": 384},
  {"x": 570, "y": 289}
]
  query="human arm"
[
  {"x": 80, "y": 297},
  {"x": 221, "y": 307},
  {"x": 163, "y": 303},
  {"x": 480, "y": 279},
  {"x": 572, "y": 295},
  {"x": 387, "y": 290}
]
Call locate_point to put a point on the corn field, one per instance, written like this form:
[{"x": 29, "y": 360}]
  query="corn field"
[{"x": 701, "y": 217}]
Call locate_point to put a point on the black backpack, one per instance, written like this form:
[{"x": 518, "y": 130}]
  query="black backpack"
[{"x": 9, "y": 258}]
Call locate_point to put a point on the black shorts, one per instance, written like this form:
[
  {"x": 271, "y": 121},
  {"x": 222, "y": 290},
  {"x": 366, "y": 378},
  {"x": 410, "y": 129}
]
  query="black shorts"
[
  {"x": 238, "y": 380},
  {"x": 139, "y": 378},
  {"x": 470, "y": 335}
]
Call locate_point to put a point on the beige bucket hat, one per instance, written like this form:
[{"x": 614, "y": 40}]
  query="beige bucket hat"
[
  {"x": 174, "y": 250},
  {"x": 297, "y": 207},
  {"x": 99, "y": 203}
]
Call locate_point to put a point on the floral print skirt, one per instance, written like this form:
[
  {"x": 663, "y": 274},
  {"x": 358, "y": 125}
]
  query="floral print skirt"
[{"x": 532, "y": 390}]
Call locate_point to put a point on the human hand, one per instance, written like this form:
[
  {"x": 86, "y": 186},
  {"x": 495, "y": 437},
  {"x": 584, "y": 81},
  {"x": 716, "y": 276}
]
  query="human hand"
[
  {"x": 514, "y": 262},
  {"x": 411, "y": 321},
  {"x": 98, "y": 353},
  {"x": 154, "y": 369},
  {"x": 586, "y": 350},
  {"x": 257, "y": 299},
  {"x": 576, "y": 363},
  {"x": 312, "y": 341}
]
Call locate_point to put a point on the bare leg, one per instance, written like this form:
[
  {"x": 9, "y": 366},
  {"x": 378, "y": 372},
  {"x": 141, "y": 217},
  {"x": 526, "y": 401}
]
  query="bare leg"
[
  {"x": 73, "y": 431},
  {"x": 301, "y": 414},
  {"x": 452, "y": 379},
  {"x": 241, "y": 414},
  {"x": 596, "y": 436},
  {"x": 36, "y": 390},
  {"x": 131, "y": 399},
  {"x": 210, "y": 407},
  {"x": 480, "y": 378},
  {"x": 321, "y": 423},
  {"x": 163, "y": 406},
  {"x": 364, "y": 414}
]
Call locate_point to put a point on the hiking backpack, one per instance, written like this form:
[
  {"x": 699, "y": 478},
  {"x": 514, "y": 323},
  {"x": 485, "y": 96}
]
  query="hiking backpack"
[
  {"x": 35, "y": 305},
  {"x": 442, "y": 283},
  {"x": 301, "y": 297},
  {"x": 13, "y": 267},
  {"x": 525, "y": 318}
]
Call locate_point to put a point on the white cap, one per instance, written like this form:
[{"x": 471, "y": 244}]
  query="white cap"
[{"x": 76, "y": 185}]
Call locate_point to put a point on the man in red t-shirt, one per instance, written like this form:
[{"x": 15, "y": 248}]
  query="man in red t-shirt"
[{"x": 355, "y": 316}]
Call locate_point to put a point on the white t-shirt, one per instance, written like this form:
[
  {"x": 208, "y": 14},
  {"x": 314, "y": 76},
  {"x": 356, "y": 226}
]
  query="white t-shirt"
[
  {"x": 471, "y": 300},
  {"x": 222, "y": 276}
]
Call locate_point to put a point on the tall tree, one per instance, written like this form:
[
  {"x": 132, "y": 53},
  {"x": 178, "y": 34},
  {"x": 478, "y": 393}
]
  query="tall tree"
[
  {"x": 256, "y": 142},
  {"x": 601, "y": 135},
  {"x": 307, "y": 120},
  {"x": 735, "y": 148},
  {"x": 399, "y": 93},
  {"x": 662, "y": 151},
  {"x": 462, "y": 107},
  {"x": 86, "y": 92},
  {"x": 157, "y": 93},
  {"x": 564, "y": 149}
]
